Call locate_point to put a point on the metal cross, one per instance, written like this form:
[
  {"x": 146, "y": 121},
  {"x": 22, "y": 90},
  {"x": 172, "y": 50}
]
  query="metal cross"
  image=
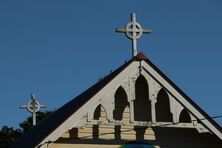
[
  {"x": 133, "y": 31},
  {"x": 33, "y": 106}
]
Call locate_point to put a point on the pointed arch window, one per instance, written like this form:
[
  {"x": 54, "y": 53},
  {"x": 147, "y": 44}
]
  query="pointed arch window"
[
  {"x": 100, "y": 113},
  {"x": 162, "y": 106},
  {"x": 120, "y": 104},
  {"x": 184, "y": 117},
  {"x": 142, "y": 105}
]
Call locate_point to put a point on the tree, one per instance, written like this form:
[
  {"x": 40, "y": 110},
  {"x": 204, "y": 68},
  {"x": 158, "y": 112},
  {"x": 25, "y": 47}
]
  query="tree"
[
  {"x": 8, "y": 134},
  {"x": 27, "y": 124}
]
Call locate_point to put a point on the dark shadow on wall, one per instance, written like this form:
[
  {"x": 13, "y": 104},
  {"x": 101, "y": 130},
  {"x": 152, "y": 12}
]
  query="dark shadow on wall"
[
  {"x": 184, "y": 137},
  {"x": 184, "y": 117},
  {"x": 163, "y": 113},
  {"x": 142, "y": 105}
]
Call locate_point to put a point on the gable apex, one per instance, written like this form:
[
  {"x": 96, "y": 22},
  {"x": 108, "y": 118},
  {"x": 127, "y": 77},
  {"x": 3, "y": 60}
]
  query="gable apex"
[
  {"x": 94, "y": 95},
  {"x": 141, "y": 56}
]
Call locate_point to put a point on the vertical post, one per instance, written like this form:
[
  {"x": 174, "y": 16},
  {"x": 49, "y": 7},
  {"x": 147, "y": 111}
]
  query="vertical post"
[
  {"x": 134, "y": 50},
  {"x": 34, "y": 118},
  {"x": 153, "y": 111},
  {"x": 134, "y": 34},
  {"x": 131, "y": 111},
  {"x": 153, "y": 99},
  {"x": 131, "y": 97}
]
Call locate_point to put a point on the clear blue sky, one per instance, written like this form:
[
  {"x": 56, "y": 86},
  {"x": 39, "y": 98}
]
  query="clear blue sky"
[{"x": 57, "y": 49}]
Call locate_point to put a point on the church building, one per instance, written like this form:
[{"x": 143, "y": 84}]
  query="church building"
[{"x": 136, "y": 105}]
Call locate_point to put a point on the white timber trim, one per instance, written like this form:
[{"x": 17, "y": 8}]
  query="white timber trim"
[
  {"x": 180, "y": 98},
  {"x": 70, "y": 122}
]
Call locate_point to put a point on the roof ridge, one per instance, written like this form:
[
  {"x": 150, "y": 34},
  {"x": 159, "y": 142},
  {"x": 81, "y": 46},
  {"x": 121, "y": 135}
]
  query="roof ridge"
[
  {"x": 59, "y": 116},
  {"x": 140, "y": 56}
]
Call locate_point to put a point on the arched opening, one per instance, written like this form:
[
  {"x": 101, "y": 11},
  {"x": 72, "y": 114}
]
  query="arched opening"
[
  {"x": 99, "y": 114},
  {"x": 163, "y": 113},
  {"x": 184, "y": 117},
  {"x": 119, "y": 112},
  {"x": 142, "y": 105},
  {"x": 120, "y": 104}
]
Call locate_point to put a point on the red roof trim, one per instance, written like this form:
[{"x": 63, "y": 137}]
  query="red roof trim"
[{"x": 140, "y": 56}]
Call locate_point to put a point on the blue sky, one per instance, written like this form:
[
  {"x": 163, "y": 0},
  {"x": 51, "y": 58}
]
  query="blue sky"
[{"x": 57, "y": 49}]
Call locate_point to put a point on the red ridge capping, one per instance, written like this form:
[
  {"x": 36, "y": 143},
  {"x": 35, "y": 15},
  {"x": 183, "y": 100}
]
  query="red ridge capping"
[{"x": 140, "y": 56}]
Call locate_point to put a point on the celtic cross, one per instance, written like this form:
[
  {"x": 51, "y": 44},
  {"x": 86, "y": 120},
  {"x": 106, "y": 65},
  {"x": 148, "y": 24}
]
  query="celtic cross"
[
  {"x": 33, "y": 106},
  {"x": 133, "y": 31}
]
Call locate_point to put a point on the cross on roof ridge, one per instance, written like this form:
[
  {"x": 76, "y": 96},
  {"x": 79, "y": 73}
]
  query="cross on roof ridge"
[
  {"x": 133, "y": 31},
  {"x": 33, "y": 106}
]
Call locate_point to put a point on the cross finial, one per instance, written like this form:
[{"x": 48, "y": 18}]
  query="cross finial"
[
  {"x": 33, "y": 106},
  {"x": 133, "y": 31}
]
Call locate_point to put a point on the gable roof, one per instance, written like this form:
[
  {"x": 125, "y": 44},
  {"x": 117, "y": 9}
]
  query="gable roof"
[
  {"x": 44, "y": 128},
  {"x": 184, "y": 95},
  {"x": 33, "y": 136}
]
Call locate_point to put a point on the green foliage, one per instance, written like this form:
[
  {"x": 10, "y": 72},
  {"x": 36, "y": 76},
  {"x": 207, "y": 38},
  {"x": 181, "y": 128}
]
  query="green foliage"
[
  {"x": 27, "y": 124},
  {"x": 8, "y": 134}
]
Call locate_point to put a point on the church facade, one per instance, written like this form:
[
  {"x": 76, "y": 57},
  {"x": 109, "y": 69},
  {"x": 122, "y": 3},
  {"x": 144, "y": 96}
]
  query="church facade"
[{"x": 134, "y": 106}]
